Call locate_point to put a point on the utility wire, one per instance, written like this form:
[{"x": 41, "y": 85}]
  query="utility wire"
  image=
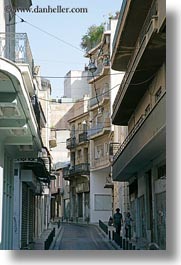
[
  {"x": 80, "y": 100},
  {"x": 50, "y": 34}
]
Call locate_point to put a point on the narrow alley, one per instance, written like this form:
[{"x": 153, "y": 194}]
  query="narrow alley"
[{"x": 81, "y": 237}]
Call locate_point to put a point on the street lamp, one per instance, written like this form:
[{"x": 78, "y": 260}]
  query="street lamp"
[{"x": 92, "y": 67}]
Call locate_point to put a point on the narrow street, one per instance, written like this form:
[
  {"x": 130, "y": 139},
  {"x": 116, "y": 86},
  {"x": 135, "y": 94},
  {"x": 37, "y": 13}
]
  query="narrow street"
[{"x": 81, "y": 237}]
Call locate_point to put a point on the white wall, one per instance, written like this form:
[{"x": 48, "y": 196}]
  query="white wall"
[
  {"x": 97, "y": 182},
  {"x": 76, "y": 87}
]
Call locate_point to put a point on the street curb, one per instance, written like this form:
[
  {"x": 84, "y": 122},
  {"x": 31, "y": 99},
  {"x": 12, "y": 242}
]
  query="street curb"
[
  {"x": 55, "y": 239},
  {"x": 113, "y": 244}
]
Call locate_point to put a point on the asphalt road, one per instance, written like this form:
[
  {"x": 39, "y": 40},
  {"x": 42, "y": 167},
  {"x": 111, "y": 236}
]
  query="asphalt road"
[{"x": 81, "y": 237}]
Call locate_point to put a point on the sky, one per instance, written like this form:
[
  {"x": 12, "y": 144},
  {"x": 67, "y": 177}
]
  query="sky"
[{"x": 61, "y": 52}]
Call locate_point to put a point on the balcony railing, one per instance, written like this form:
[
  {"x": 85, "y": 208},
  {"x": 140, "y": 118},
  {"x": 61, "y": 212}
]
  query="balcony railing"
[
  {"x": 71, "y": 143},
  {"x": 119, "y": 23},
  {"x": 15, "y": 47},
  {"x": 130, "y": 136},
  {"x": 113, "y": 148},
  {"x": 135, "y": 129},
  {"x": 101, "y": 161},
  {"x": 103, "y": 63},
  {"x": 66, "y": 173},
  {"x": 151, "y": 15},
  {"x": 100, "y": 127},
  {"x": 79, "y": 169},
  {"x": 83, "y": 137},
  {"x": 102, "y": 95}
]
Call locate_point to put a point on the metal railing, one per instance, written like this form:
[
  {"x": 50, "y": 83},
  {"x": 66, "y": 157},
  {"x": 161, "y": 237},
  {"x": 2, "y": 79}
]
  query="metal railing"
[
  {"x": 82, "y": 168},
  {"x": 66, "y": 173},
  {"x": 15, "y": 47},
  {"x": 130, "y": 136},
  {"x": 123, "y": 6},
  {"x": 70, "y": 142},
  {"x": 83, "y": 137}
]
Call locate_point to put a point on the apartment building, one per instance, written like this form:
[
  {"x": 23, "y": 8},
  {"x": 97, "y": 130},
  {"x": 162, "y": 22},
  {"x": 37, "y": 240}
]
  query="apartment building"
[
  {"x": 60, "y": 112},
  {"x": 25, "y": 165},
  {"x": 75, "y": 84},
  {"x": 77, "y": 172},
  {"x": 139, "y": 49},
  {"x": 104, "y": 84}
]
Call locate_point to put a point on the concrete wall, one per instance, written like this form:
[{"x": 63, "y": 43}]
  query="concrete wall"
[
  {"x": 97, "y": 182},
  {"x": 75, "y": 84}
]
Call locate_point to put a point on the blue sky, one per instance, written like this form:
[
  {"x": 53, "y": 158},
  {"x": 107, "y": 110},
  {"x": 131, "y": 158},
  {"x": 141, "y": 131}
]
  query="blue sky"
[{"x": 55, "y": 57}]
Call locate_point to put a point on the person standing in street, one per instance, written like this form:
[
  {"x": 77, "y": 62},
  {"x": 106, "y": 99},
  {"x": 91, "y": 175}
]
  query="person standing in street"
[
  {"x": 128, "y": 221},
  {"x": 118, "y": 220}
]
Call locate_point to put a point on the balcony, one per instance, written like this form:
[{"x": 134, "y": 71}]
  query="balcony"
[
  {"x": 77, "y": 170},
  {"x": 103, "y": 68},
  {"x": 66, "y": 173},
  {"x": 71, "y": 143},
  {"x": 127, "y": 31},
  {"x": 99, "y": 129},
  {"x": 113, "y": 149},
  {"x": 83, "y": 137},
  {"x": 103, "y": 95},
  {"x": 100, "y": 162},
  {"x": 82, "y": 187},
  {"x": 150, "y": 47},
  {"x": 15, "y": 47},
  {"x": 144, "y": 143},
  {"x": 80, "y": 169}
]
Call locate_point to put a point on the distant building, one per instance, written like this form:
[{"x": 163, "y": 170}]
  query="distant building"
[
  {"x": 77, "y": 172},
  {"x": 75, "y": 84}
]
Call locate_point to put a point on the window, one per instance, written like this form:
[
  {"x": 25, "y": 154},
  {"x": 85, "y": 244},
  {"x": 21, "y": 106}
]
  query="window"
[
  {"x": 102, "y": 202},
  {"x": 158, "y": 94},
  {"x": 99, "y": 151}
]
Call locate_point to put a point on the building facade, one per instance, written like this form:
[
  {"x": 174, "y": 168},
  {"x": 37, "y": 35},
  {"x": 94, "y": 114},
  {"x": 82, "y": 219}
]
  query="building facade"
[
  {"x": 139, "y": 50},
  {"x": 104, "y": 84},
  {"x": 77, "y": 172},
  {"x": 25, "y": 165},
  {"x": 75, "y": 84}
]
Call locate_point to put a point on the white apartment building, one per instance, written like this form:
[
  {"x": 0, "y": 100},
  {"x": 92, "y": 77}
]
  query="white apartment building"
[{"x": 75, "y": 84}]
